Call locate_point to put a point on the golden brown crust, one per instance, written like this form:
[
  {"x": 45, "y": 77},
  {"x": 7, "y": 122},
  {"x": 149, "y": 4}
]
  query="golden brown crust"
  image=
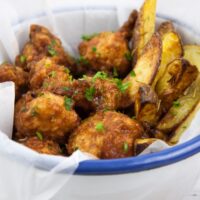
[
  {"x": 46, "y": 113},
  {"x": 43, "y": 43},
  {"x": 43, "y": 146},
  {"x": 10, "y": 72},
  {"x": 49, "y": 76},
  {"x": 166, "y": 27},
  {"x": 106, "y": 135},
  {"x": 105, "y": 52}
]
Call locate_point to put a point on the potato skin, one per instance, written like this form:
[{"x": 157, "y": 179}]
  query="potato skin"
[
  {"x": 166, "y": 27},
  {"x": 107, "y": 143},
  {"x": 105, "y": 52},
  {"x": 42, "y": 146},
  {"x": 45, "y": 113},
  {"x": 48, "y": 75},
  {"x": 13, "y": 73},
  {"x": 43, "y": 43}
]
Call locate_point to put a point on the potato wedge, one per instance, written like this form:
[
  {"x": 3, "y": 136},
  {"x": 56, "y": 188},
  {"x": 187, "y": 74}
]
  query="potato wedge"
[
  {"x": 178, "y": 76},
  {"x": 192, "y": 54},
  {"x": 141, "y": 144},
  {"x": 147, "y": 105},
  {"x": 145, "y": 68},
  {"x": 171, "y": 50},
  {"x": 165, "y": 27},
  {"x": 144, "y": 27},
  {"x": 128, "y": 26},
  {"x": 178, "y": 113}
]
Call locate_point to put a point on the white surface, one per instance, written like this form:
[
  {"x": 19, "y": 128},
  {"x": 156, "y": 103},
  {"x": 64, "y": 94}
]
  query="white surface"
[{"x": 70, "y": 27}]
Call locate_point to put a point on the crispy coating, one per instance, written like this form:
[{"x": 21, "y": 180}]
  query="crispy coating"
[
  {"x": 43, "y": 146},
  {"x": 49, "y": 76},
  {"x": 105, "y": 52},
  {"x": 47, "y": 113},
  {"x": 106, "y": 135},
  {"x": 10, "y": 72},
  {"x": 96, "y": 95},
  {"x": 43, "y": 43}
]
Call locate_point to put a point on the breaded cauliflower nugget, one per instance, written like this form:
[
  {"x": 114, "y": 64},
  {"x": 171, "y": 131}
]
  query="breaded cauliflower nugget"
[
  {"x": 106, "y": 135},
  {"x": 106, "y": 52},
  {"x": 50, "y": 114},
  {"x": 48, "y": 75},
  {"x": 10, "y": 72},
  {"x": 41, "y": 145},
  {"x": 43, "y": 43}
]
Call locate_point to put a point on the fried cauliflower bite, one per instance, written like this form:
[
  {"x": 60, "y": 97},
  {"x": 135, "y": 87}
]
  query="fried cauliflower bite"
[
  {"x": 43, "y": 146},
  {"x": 10, "y": 72},
  {"x": 49, "y": 76},
  {"x": 43, "y": 43},
  {"x": 95, "y": 94},
  {"x": 47, "y": 113},
  {"x": 106, "y": 52},
  {"x": 106, "y": 135}
]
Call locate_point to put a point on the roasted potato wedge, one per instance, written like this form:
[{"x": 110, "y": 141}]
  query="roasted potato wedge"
[
  {"x": 166, "y": 27},
  {"x": 192, "y": 54},
  {"x": 177, "y": 113},
  {"x": 171, "y": 50},
  {"x": 146, "y": 66},
  {"x": 147, "y": 105},
  {"x": 141, "y": 144},
  {"x": 178, "y": 76},
  {"x": 144, "y": 27}
]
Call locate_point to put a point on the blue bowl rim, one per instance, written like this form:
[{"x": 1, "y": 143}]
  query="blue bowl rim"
[{"x": 141, "y": 162}]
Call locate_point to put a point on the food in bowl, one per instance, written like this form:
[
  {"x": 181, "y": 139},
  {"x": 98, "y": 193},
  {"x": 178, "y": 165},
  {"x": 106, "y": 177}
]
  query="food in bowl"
[{"x": 126, "y": 90}]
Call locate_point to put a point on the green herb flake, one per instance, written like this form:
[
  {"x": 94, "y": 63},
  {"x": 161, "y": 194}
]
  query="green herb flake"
[
  {"x": 68, "y": 103},
  {"x": 66, "y": 70},
  {"x": 94, "y": 49},
  {"x": 128, "y": 56},
  {"x": 45, "y": 85},
  {"x": 132, "y": 73},
  {"x": 66, "y": 88},
  {"x": 88, "y": 37},
  {"x": 176, "y": 104},
  {"x": 115, "y": 73},
  {"x": 121, "y": 86},
  {"x": 100, "y": 75},
  {"x": 99, "y": 126},
  {"x": 82, "y": 60},
  {"x": 34, "y": 111},
  {"x": 125, "y": 147},
  {"x": 133, "y": 117},
  {"x": 22, "y": 59},
  {"x": 52, "y": 74},
  {"x": 89, "y": 93},
  {"x": 53, "y": 42},
  {"x": 24, "y": 109},
  {"x": 39, "y": 135},
  {"x": 184, "y": 127},
  {"x": 51, "y": 50}
]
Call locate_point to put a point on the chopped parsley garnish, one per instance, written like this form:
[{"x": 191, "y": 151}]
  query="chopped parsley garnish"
[
  {"x": 66, "y": 88},
  {"x": 52, "y": 74},
  {"x": 121, "y": 86},
  {"x": 68, "y": 103},
  {"x": 34, "y": 111},
  {"x": 82, "y": 60},
  {"x": 22, "y": 59},
  {"x": 128, "y": 56},
  {"x": 176, "y": 104},
  {"x": 89, "y": 93},
  {"x": 125, "y": 147},
  {"x": 115, "y": 73},
  {"x": 47, "y": 64},
  {"x": 45, "y": 85},
  {"x": 101, "y": 75},
  {"x": 94, "y": 49},
  {"x": 184, "y": 127},
  {"x": 51, "y": 50},
  {"x": 99, "y": 126},
  {"x": 88, "y": 37},
  {"x": 53, "y": 42},
  {"x": 132, "y": 73},
  {"x": 133, "y": 117},
  {"x": 39, "y": 135},
  {"x": 66, "y": 70}
]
